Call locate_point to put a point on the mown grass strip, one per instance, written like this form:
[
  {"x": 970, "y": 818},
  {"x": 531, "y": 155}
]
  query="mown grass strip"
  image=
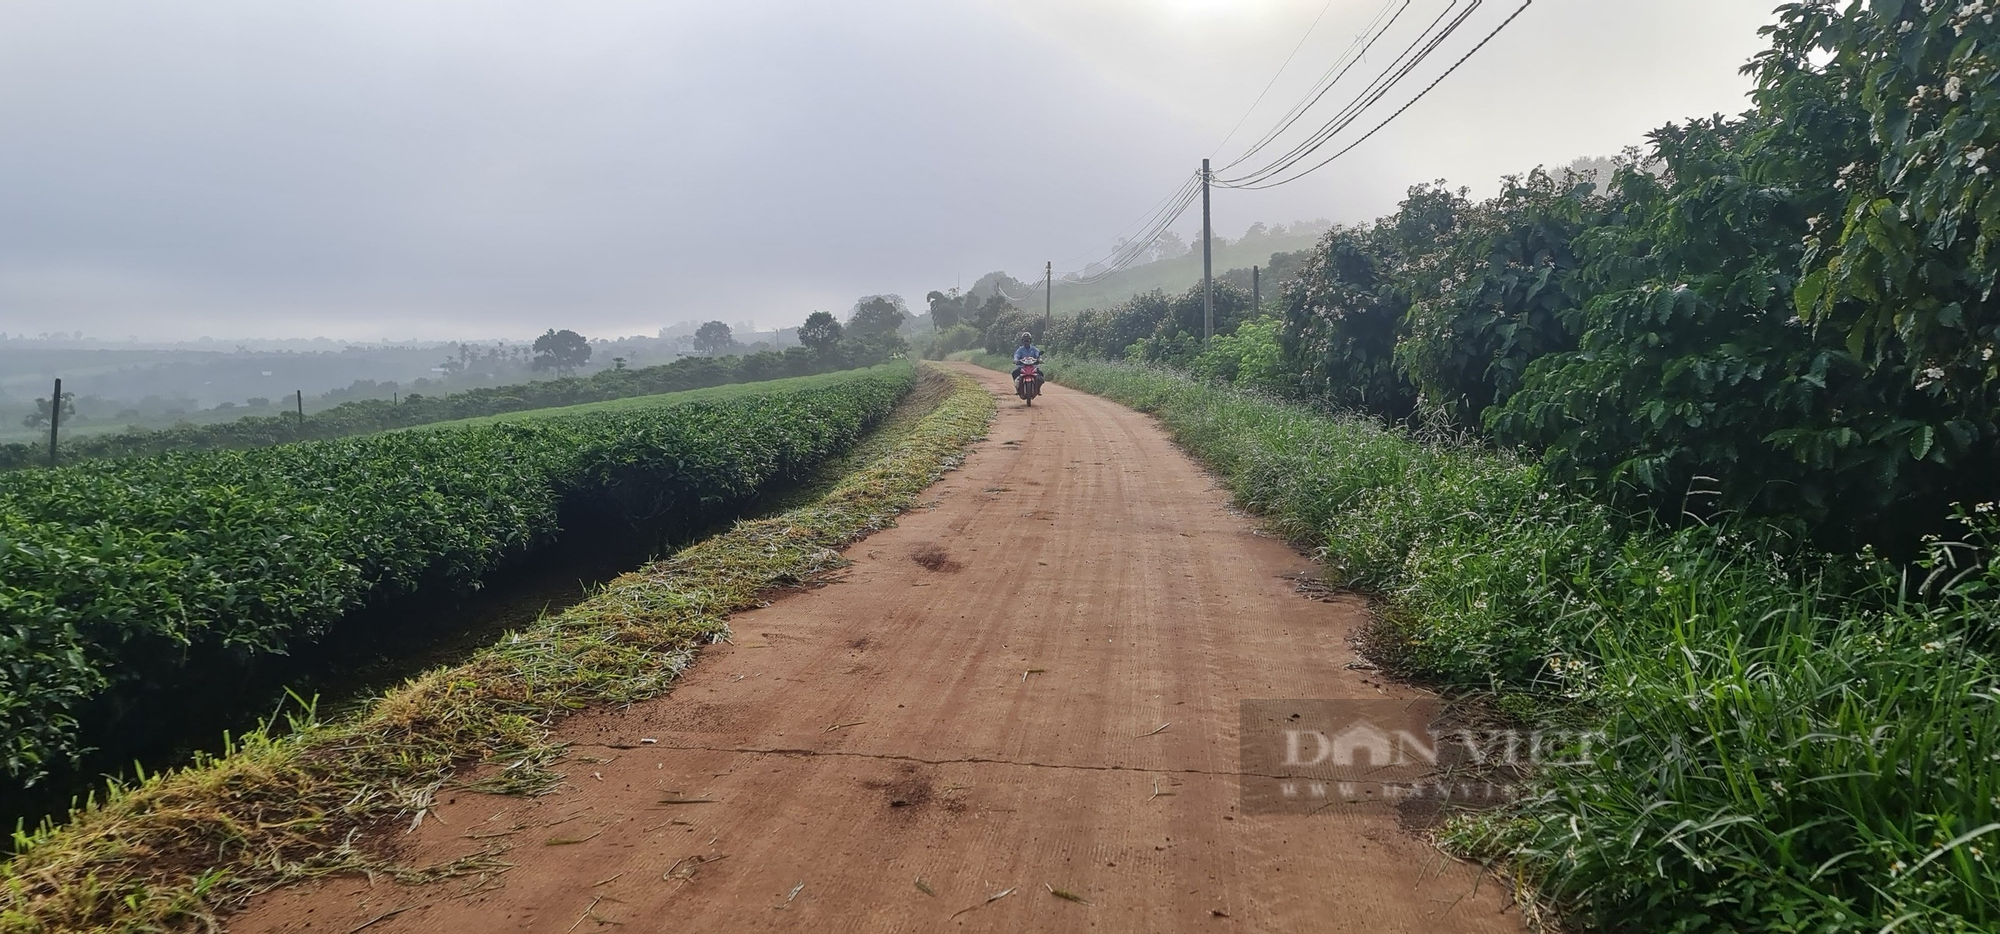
[{"x": 178, "y": 848}]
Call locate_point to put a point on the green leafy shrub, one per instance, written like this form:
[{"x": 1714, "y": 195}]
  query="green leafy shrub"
[
  {"x": 1344, "y": 314},
  {"x": 129, "y": 573},
  {"x": 1250, "y": 357},
  {"x": 1496, "y": 295}
]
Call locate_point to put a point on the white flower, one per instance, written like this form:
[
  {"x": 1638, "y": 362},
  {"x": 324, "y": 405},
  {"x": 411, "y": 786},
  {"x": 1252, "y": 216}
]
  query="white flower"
[
  {"x": 1953, "y": 87},
  {"x": 1932, "y": 647},
  {"x": 1986, "y": 354},
  {"x": 1973, "y": 157},
  {"x": 1933, "y": 373}
]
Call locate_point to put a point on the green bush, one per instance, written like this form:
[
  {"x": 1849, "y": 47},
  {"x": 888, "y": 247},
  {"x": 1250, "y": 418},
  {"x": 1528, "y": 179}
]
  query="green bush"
[
  {"x": 1787, "y": 313},
  {"x": 1251, "y": 357},
  {"x": 116, "y": 575}
]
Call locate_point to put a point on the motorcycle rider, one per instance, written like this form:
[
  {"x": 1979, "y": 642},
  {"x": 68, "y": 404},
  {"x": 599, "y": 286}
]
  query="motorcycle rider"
[{"x": 1026, "y": 350}]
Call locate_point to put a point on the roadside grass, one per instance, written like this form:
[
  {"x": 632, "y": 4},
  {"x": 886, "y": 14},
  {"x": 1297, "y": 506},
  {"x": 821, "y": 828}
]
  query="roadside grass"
[
  {"x": 708, "y": 394},
  {"x": 174, "y": 850},
  {"x": 1784, "y": 741}
]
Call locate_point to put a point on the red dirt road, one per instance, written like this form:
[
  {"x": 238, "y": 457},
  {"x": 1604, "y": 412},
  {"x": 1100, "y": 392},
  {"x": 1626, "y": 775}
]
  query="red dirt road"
[{"x": 974, "y": 704}]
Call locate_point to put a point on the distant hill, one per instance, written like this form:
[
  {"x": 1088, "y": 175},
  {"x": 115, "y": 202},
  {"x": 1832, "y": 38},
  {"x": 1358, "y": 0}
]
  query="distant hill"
[{"x": 1177, "y": 273}]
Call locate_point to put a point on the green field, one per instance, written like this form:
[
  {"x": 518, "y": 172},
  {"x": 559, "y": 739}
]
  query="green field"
[
  {"x": 635, "y": 403},
  {"x": 149, "y": 577},
  {"x": 367, "y": 416}
]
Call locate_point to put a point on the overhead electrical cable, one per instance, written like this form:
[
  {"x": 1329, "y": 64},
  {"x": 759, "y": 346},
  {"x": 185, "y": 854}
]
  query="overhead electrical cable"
[
  {"x": 1285, "y": 168},
  {"x": 1399, "y": 111},
  {"x": 1356, "y": 53},
  {"x": 1150, "y": 217},
  {"x": 1287, "y": 63},
  {"x": 1399, "y": 68},
  {"x": 1280, "y": 171},
  {"x": 1130, "y": 250}
]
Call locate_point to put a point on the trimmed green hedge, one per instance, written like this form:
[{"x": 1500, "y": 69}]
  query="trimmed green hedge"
[{"x": 116, "y": 574}]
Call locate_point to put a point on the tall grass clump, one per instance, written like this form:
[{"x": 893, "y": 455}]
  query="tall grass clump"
[{"x": 1783, "y": 740}]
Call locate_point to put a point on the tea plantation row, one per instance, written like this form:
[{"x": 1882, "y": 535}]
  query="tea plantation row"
[
  {"x": 371, "y": 415},
  {"x": 142, "y": 573}
]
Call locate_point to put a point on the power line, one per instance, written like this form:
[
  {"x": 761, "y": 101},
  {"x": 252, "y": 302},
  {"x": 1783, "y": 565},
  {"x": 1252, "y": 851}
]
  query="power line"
[
  {"x": 1150, "y": 216},
  {"x": 1400, "y": 67},
  {"x": 1129, "y": 251},
  {"x": 1523, "y": 8},
  {"x": 1427, "y": 43},
  {"x": 1357, "y": 52},
  {"x": 1279, "y": 171},
  {"x": 1275, "y": 76}
]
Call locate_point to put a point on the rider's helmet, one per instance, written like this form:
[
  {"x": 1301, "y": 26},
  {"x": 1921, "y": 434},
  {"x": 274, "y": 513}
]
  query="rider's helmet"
[{"x": 1027, "y": 337}]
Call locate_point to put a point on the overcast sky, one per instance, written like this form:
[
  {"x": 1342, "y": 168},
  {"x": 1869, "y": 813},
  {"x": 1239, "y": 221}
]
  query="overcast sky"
[{"x": 490, "y": 168}]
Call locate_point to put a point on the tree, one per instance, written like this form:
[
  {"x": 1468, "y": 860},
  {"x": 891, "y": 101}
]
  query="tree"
[
  {"x": 40, "y": 416},
  {"x": 995, "y": 306},
  {"x": 561, "y": 351},
  {"x": 713, "y": 338},
  {"x": 820, "y": 332},
  {"x": 947, "y": 309},
  {"x": 876, "y": 317}
]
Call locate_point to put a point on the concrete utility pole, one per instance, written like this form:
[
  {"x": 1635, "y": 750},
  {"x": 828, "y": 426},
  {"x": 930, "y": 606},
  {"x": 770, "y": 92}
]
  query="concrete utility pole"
[
  {"x": 1048, "y": 298},
  {"x": 1256, "y": 294},
  {"x": 1207, "y": 262}
]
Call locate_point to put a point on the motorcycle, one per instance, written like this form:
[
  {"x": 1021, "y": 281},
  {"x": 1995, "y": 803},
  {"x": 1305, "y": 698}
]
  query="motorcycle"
[{"x": 1029, "y": 384}]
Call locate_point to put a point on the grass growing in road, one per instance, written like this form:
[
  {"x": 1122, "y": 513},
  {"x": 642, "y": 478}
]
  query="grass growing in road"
[
  {"x": 1790, "y": 741},
  {"x": 175, "y": 849}
]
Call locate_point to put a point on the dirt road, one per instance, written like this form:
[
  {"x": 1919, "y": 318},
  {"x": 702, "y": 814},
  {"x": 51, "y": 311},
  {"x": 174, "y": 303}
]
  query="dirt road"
[{"x": 977, "y": 704}]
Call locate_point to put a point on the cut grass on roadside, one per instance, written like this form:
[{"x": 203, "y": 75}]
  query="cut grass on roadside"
[{"x": 177, "y": 849}]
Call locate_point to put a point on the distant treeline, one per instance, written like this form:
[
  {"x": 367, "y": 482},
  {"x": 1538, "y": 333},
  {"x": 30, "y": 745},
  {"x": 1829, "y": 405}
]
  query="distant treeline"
[{"x": 362, "y": 417}]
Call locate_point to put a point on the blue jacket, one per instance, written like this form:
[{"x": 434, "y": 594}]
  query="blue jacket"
[{"x": 1028, "y": 351}]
